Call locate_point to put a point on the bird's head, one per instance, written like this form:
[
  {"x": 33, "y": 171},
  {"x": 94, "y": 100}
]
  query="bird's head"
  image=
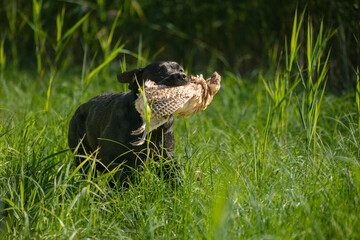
[{"x": 214, "y": 83}]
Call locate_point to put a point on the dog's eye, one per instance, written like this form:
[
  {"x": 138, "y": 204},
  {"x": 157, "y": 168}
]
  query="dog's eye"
[{"x": 162, "y": 70}]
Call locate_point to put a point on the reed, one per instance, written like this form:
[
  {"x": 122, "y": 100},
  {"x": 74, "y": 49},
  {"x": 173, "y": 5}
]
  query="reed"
[{"x": 277, "y": 158}]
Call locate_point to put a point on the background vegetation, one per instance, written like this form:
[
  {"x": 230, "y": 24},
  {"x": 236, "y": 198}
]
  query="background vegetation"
[
  {"x": 276, "y": 155},
  {"x": 238, "y": 36}
]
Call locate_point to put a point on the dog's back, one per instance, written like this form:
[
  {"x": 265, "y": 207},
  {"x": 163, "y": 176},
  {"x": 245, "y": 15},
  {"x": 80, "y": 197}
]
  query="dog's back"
[
  {"x": 100, "y": 121},
  {"x": 93, "y": 115}
]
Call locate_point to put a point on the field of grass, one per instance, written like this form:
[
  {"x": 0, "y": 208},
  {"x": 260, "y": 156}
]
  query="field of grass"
[
  {"x": 245, "y": 175},
  {"x": 273, "y": 157}
]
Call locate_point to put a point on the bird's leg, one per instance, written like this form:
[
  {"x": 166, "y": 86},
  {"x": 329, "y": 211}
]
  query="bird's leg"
[
  {"x": 140, "y": 141},
  {"x": 142, "y": 129}
]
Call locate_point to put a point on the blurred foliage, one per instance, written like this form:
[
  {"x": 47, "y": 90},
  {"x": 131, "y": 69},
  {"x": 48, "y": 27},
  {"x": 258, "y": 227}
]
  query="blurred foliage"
[{"x": 202, "y": 35}]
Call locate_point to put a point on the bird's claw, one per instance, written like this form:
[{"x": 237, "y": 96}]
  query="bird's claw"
[
  {"x": 140, "y": 140},
  {"x": 141, "y": 129}
]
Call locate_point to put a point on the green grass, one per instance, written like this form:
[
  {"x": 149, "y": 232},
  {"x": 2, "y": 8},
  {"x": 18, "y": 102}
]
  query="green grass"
[
  {"x": 276, "y": 157},
  {"x": 234, "y": 188}
]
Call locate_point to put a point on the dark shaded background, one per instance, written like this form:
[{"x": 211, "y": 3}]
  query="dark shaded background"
[{"x": 220, "y": 34}]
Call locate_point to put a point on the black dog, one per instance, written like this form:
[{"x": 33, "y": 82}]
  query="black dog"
[{"x": 108, "y": 122}]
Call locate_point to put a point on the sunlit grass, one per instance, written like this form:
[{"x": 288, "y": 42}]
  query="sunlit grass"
[
  {"x": 268, "y": 159},
  {"x": 232, "y": 188}
]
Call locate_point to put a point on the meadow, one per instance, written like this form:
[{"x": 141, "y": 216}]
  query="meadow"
[{"x": 276, "y": 156}]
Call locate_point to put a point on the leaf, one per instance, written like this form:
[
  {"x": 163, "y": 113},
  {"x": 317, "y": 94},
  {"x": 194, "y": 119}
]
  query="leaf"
[
  {"x": 113, "y": 55},
  {"x": 76, "y": 25}
]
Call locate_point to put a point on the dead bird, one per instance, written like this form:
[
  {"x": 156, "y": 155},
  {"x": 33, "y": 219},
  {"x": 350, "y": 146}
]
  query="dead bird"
[{"x": 165, "y": 101}]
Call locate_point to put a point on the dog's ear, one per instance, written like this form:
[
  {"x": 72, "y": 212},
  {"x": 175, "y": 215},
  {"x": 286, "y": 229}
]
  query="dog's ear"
[{"x": 129, "y": 76}]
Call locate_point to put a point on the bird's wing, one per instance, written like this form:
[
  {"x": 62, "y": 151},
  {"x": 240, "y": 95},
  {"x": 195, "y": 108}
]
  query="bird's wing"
[{"x": 166, "y": 101}]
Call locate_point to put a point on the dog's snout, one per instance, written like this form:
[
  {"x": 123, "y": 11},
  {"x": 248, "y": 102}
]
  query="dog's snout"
[
  {"x": 181, "y": 76},
  {"x": 183, "y": 79}
]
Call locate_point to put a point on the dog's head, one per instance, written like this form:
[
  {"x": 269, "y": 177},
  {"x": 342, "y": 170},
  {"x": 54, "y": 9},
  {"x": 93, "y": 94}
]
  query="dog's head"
[{"x": 162, "y": 73}]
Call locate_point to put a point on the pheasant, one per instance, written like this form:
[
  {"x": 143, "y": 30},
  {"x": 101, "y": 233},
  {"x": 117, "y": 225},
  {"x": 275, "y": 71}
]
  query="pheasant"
[{"x": 181, "y": 100}]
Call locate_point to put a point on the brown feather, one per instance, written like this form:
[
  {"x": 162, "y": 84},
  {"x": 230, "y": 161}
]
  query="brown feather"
[{"x": 182, "y": 100}]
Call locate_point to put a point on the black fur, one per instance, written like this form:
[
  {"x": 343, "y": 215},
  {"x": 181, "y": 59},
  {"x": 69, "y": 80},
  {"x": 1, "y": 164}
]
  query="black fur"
[{"x": 107, "y": 120}]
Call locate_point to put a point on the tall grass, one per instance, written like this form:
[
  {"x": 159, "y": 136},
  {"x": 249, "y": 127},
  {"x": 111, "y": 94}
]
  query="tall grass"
[
  {"x": 2, "y": 59},
  {"x": 12, "y": 33},
  {"x": 358, "y": 95},
  {"x": 231, "y": 188},
  {"x": 39, "y": 36},
  {"x": 282, "y": 85},
  {"x": 273, "y": 159},
  {"x": 63, "y": 39},
  {"x": 313, "y": 77}
]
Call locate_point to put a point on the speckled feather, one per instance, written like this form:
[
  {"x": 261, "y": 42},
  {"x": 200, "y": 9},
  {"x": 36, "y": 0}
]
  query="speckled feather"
[
  {"x": 182, "y": 100},
  {"x": 166, "y": 101}
]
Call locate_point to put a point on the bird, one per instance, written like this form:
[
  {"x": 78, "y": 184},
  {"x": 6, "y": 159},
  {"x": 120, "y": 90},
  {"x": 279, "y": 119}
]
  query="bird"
[{"x": 161, "y": 101}]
